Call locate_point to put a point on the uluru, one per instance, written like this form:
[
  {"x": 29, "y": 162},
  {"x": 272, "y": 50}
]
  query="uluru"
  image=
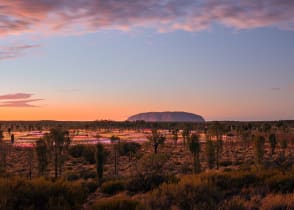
[{"x": 167, "y": 117}]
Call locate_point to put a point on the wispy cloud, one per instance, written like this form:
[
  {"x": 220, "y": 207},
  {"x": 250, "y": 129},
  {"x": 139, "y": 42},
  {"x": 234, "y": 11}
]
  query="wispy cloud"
[
  {"x": 74, "y": 16},
  {"x": 18, "y": 100},
  {"x": 20, "y": 103},
  {"x": 15, "y": 96},
  {"x": 13, "y": 51},
  {"x": 275, "y": 89}
]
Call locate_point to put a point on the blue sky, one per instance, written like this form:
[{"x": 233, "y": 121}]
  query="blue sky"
[{"x": 221, "y": 72}]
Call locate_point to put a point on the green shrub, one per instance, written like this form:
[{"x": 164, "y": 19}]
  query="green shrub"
[
  {"x": 76, "y": 150},
  {"x": 115, "y": 204},
  {"x": 113, "y": 187}
]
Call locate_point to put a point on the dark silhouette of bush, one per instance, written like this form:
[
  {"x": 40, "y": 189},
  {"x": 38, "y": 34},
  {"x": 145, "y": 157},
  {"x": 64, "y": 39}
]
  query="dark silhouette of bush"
[
  {"x": 113, "y": 187},
  {"x": 129, "y": 149},
  {"x": 91, "y": 186},
  {"x": 139, "y": 184},
  {"x": 100, "y": 157},
  {"x": 76, "y": 151},
  {"x": 283, "y": 183},
  {"x": 89, "y": 153},
  {"x": 72, "y": 176},
  {"x": 88, "y": 174}
]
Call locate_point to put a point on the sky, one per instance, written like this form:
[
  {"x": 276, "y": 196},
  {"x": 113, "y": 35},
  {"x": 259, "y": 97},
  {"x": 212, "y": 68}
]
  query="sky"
[{"x": 109, "y": 59}]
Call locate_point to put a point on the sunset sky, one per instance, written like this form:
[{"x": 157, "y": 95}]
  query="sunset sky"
[{"x": 109, "y": 59}]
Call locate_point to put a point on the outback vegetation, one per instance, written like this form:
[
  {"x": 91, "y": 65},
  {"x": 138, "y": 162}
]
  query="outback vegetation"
[{"x": 185, "y": 166}]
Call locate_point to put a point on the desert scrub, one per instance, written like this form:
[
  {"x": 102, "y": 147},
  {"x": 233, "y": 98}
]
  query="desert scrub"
[
  {"x": 283, "y": 183},
  {"x": 89, "y": 154},
  {"x": 113, "y": 187},
  {"x": 85, "y": 151},
  {"x": 41, "y": 194},
  {"x": 117, "y": 203},
  {"x": 189, "y": 193},
  {"x": 235, "y": 203},
  {"x": 76, "y": 150},
  {"x": 278, "y": 202}
]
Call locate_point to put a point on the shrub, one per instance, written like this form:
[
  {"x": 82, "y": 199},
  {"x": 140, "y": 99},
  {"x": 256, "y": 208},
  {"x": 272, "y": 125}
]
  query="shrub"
[
  {"x": 89, "y": 154},
  {"x": 226, "y": 163},
  {"x": 76, "y": 150},
  {"x": 231, "y": 181},
  {"x": 189, "y": 193},
  {"x": 146, "y": 183},
  {"x": 278, "y": 202},
  {"x": 128, "y": 148},
  {"x": 233, "y": 204},
  {"x": 91, "y": 186},
  {"x": 41, "y": 194},
  {"x": 72, "y": 177},
  {"x": 115, "y": 204},
  {"x": 86, "y": 174},
  {"x": 112, "y": 187},
  {"x": 281, "y": 183}
]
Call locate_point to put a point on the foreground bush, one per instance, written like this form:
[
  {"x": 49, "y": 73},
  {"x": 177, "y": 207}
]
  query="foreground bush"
[
  {"x": 112, "y": 187},
  {"x": 146, "y": 183},
  {"x": 189, "y": 194},
  {"x": 18, "y": 194},
  {"x": 115, "y": 204},
  {"x": 278, "y": 202}
]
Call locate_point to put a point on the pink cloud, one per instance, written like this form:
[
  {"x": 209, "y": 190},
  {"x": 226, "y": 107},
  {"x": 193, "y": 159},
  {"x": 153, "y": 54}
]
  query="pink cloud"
[
  {"x": 76, "y": 16},
  {"x": 20, "y": 103},
  {"x": 18, "y": 100},
  {"x": 13, "y": 51},
  {"x": 15, "y": 96}
]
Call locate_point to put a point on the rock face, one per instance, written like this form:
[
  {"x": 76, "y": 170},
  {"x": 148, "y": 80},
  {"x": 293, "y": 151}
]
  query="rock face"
[{"x": 167, "y": 117}]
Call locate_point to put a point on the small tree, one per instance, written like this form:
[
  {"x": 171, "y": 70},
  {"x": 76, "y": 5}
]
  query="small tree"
[
  {"x": 115, "y": 140},
  {"x": 194, "y": 146},
  {"x": 100, "y": 160},
  {"x": 58, "y": 141},
  {"x": 1, "y": 135},
  {"x": 210, "y": 153},
  {"x": 259, "y": 149},
  {"x": 186, "y": 133},
  {"x": 30, "y": 158},
  {"x": 273, "y": 142},
  {"x": 216, "y": 129},
  {"x": 283, "y": 143},
  {"x": 129, "y": 149},
  {"x": 42, "y": 156},
  {"x": 175, "y": 133},
  {"x": 156, "y": 139},
  {"x": 12, "y": 138}
]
